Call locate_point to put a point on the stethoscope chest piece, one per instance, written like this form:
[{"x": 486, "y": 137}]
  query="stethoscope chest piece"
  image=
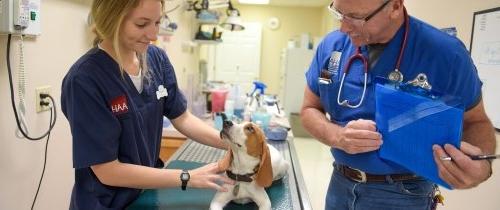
[{"x": 396, "y": 76}]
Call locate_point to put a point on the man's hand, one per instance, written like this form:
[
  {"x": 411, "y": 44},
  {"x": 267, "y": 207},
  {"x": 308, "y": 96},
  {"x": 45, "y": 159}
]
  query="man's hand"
[
  {"x": 461, "y": 172},
  {"x": 358, "y": 136}
]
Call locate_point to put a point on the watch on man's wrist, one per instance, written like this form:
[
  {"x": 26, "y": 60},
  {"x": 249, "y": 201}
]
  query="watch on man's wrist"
[{"x": 184, "y": 179}]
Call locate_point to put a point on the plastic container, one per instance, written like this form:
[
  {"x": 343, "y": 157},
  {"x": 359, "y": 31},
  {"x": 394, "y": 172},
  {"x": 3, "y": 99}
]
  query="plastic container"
[
  {"x": 229, "y": 108},
  {"x": 218, "y": 100},
  {"x": 218, "y": 121},
  {"x": 239, "y": 106},
  {"x": 263, "y": 117},
  {"x": 276, "y": 133}
]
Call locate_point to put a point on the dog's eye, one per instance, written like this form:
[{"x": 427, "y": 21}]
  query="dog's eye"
[{"x": 250, "y": 129}]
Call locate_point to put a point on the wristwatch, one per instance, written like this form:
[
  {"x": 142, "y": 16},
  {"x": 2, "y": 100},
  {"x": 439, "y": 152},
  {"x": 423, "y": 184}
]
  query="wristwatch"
[{"x": 184, "y": 179}]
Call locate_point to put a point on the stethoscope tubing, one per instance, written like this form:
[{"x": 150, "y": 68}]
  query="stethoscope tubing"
[{"x": 360, "y": 56}]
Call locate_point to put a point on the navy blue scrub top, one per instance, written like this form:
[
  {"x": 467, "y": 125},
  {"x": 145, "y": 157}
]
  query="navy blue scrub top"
[
  {"x": 111, "y": 120},
  {"x": 443, "y": 58}
]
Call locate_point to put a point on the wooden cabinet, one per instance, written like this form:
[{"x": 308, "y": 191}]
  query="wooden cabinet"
[{"x": 171, "y": 140}]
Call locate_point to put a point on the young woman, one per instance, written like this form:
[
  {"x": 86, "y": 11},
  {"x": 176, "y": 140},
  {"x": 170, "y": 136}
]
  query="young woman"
[{"x": 115, "y": 97}]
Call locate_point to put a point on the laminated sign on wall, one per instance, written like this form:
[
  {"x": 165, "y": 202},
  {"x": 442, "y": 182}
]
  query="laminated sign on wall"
[{"x": 485, "y": 51}]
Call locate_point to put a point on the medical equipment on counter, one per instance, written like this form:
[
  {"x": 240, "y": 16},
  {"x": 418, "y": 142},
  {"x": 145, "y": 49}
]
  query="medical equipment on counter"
[
  {"x": 261, "y": 118},
  {"x": 271, "y": 103},
  {"x": 259, "y": 86},
  {"x": 239, "y": 107},
  {"x": 218, "y": 99},
  {"x": 229, "y": 108},
  {"x": 218, "y": 121},
  {"x": 395, "y": 76},
  {"x": 276, "y": 133},
  {"x": 235, "y": 102},
  {"x": 255, "y": 98},
  {"x": 258, "y": 90}
]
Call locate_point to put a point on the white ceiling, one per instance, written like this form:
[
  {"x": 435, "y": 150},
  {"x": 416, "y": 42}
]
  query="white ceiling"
[{"x": 306, "y": 3}]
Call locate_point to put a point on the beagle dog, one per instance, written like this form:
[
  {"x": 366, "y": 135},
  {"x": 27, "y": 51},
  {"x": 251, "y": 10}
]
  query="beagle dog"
[{"x": 251, "y": 162}]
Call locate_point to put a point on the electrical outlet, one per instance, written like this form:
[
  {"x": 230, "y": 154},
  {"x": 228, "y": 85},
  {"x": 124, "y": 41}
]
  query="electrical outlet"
[{"x": 38, "y": 99}]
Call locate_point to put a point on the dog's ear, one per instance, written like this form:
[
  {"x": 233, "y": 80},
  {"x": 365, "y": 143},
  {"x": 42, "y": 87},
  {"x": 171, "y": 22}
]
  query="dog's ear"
[
  {"x": 255, "y": 140},
  {"x": 257, "y": 147},
  {"x": 225, "y": 162},
  {"x": 264, "y": 177}
]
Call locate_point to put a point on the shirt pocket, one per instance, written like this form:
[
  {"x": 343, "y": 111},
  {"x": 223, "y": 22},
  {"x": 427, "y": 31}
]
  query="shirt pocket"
[{"x": 328, "y": 96}]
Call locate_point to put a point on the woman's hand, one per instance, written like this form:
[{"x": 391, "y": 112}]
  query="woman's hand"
[
  {"x": 207, "y": 177},
  {"x": 358, "y": 136}
]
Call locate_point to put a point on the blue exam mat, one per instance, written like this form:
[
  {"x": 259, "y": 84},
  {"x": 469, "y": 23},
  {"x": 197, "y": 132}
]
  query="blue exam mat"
[
  {"x": 411, "y": 123},
  {"x": 197, "y": 199}
]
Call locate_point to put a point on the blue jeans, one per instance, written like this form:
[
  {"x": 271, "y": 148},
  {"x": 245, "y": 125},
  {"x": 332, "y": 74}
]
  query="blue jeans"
[{"x": 345, "y": 194}]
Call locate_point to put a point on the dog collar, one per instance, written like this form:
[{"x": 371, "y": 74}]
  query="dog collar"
[{"x": 241, "y": 178}]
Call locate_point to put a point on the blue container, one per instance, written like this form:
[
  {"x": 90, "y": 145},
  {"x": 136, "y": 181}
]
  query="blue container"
[
  {"x": 238, "y": 113},
  {"x": 261, "y": 117},
  {"x": 276, "y": 133},
  {"x": 218, "y": 121}
]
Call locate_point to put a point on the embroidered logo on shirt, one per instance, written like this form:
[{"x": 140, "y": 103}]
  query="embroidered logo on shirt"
[
  {"x": 161, "y": 92},
  {"x": 119, "y": 105}
]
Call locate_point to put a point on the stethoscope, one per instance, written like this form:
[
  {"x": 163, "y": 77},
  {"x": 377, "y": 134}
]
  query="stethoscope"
[{"x": 395, "y": 76}]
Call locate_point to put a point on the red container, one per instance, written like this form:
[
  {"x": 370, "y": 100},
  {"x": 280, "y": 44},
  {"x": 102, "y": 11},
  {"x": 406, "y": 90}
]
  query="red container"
[{"x": 218, "y": 100}]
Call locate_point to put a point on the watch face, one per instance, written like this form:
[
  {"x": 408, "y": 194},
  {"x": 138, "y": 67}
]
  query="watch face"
[{"x": 184, "y": 176}]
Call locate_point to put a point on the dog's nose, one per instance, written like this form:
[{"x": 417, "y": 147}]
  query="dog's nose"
[{"x": 228, "y": 124}]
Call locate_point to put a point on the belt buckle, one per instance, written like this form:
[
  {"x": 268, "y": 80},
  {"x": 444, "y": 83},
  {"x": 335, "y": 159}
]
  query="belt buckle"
[{"x": 361, "y": 176}]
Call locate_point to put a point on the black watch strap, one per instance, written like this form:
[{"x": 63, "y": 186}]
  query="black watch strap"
[{"x": 184, "y": 179}]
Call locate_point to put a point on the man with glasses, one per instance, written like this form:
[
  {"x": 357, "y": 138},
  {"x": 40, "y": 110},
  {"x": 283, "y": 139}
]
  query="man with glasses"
[{"x": 386, "y": 41}]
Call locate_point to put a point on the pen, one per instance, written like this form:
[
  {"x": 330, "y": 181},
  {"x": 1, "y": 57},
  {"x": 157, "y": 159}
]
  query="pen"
[
  {"x": 477, "y": 157},
  {"x": 484, "y": 157}
]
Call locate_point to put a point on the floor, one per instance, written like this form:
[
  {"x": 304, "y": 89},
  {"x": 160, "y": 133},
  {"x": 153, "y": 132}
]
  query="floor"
[{"x": 316, "y": 163}]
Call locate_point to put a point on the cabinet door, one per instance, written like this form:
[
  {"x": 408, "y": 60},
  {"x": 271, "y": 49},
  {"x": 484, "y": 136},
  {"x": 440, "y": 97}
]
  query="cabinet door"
[{"x": 237, "y": 58}]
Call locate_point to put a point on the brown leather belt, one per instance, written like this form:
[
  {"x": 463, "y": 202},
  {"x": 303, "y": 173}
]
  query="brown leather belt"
[{"x": 360, "y": 176}]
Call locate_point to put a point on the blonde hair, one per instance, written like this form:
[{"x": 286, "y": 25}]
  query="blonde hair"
[{"x": 107, "y": 17}]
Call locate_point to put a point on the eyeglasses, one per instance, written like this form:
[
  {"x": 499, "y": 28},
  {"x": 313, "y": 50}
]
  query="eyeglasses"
[{"x": 355, "y": 20}]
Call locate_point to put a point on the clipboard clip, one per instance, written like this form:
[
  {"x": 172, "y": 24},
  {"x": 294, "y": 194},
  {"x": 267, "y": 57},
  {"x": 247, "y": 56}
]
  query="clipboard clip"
[
  {"x": 420, "y": 86},
  {"x": 421, "y": 81}
]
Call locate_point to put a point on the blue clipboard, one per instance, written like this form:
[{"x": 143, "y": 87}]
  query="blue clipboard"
[{"x": 411, "y": 119}]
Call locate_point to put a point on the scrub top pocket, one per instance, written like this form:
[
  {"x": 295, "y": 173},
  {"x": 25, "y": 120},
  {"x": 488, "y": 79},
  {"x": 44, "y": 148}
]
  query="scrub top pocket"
[{"x": 328, "y": 96}]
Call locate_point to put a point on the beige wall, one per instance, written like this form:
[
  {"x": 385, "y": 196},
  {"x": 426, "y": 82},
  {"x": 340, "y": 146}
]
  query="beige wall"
[
  {"x": 294, "y": 21},
  {"x": 449, "y": 13},
  {"x": 441, "y": 14},
  {"x": 329, "y": 22},
  {"x": 63, "y": 39},
  {"x": 47, "y": 58},
  {"x": 182, "y": 55}
]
